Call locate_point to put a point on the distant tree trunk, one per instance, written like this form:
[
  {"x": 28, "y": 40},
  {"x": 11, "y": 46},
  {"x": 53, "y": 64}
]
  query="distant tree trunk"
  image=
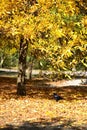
[
  {"x": 29, "y": 70},
  {"x": 21, "y": 88},
  {"x": 2, "y": 61}
]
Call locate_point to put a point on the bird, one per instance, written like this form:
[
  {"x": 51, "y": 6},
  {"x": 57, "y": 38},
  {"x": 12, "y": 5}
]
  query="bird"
[{"x": 57, "y": 97}]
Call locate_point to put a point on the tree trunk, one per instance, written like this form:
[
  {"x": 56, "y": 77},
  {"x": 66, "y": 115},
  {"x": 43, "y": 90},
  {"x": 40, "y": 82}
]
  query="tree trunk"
[
  {"x": 29, "y": 70},
  {"x": 2, "y": 61},
  {"x": 21, "y": 88}
]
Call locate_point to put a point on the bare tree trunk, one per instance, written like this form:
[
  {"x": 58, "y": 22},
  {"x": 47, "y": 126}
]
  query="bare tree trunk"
[
  {"x": 29, "y": 70},
  {"x": 21, "y": 88},
  {"x": 2, "y": 61}
]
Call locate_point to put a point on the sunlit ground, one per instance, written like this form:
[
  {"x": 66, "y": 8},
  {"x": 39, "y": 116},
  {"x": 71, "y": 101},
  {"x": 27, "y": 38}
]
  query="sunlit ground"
[{"x": 39, "y": 109}]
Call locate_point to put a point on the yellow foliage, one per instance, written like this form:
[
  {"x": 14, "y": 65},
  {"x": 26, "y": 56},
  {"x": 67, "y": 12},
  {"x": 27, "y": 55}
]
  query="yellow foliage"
[{"x": 55, "y": 27}]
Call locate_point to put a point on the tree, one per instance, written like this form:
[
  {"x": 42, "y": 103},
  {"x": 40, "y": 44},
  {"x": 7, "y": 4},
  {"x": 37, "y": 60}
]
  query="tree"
[
  {"x": 14, "y": 12},
  {"x": 54, "y": 30},
  {"x": 7, "y": 50}
]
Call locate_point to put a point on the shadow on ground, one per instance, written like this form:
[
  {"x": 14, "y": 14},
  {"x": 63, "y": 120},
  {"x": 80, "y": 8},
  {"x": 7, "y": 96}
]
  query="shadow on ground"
[
  {"x": 44, "y": 125},
  {"x": 42, "y": 89}
]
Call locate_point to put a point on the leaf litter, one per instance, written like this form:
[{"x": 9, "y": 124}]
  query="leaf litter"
[{"x": 40, "y": 109}]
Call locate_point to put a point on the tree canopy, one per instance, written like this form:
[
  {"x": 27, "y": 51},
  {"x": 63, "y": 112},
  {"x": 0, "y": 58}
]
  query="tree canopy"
[{"x": 56, "y": 30}]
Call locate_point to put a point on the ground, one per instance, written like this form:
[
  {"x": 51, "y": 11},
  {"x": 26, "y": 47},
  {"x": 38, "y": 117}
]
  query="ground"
[{"x": 38, "y": 110}]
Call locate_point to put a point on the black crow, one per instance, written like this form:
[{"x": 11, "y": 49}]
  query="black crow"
[{"x": 57, "y": 97}]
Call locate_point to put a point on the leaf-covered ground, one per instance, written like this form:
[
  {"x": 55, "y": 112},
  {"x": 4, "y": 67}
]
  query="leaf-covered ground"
[{"x": 38, "y": 110}]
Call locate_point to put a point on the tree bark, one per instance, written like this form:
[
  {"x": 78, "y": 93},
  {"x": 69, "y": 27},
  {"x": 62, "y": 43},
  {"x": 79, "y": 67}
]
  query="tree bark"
[
  {"x": 21, "y": 88},
  {"x": 29, "y": 70}
]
